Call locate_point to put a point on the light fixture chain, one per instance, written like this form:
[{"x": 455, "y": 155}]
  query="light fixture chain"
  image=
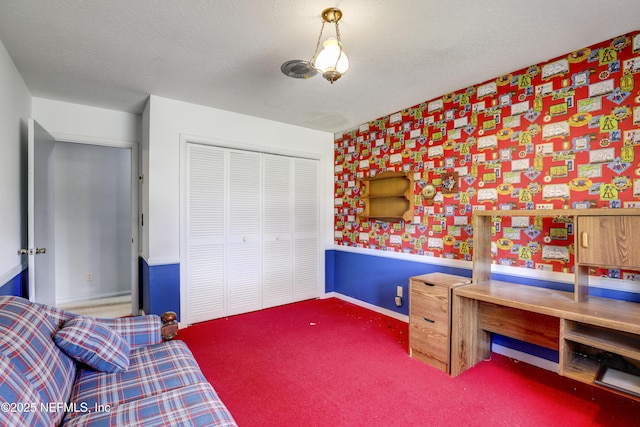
[
  {"x": 339, "y": 44},
  {"x": 315, "y": 55}
]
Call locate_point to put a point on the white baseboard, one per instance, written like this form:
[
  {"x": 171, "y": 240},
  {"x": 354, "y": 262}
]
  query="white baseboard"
[
  {"x": 108, "y": 298},
  {"x": 526, "y": 358},
  {"x": 381, "y": 310}
]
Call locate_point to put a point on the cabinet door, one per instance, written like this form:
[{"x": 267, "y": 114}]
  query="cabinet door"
[
  {"x": 612, "y": 241},
  {"x": 429, "y": 320}
]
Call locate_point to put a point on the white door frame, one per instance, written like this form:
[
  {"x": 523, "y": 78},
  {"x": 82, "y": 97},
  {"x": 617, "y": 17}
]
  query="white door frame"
[{"x": 135, "y": 203}]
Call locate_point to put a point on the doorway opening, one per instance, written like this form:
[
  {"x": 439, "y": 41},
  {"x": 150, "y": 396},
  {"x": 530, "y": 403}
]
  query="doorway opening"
[
  {"x": 82, "y": 221},
  {"x": 95, "y": 227}
]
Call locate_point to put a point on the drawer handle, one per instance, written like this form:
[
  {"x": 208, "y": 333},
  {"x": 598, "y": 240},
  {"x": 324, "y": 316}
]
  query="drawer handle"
[
  {"x": 429, "y": 320},
  {"x": 428, "y": 284}
]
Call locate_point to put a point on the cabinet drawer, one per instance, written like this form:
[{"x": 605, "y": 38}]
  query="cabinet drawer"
[
  {"x": 429, "y": 341},
  {"x": 430, "y": 301}
]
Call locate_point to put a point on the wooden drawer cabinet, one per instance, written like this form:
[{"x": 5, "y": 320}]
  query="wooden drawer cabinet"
[{"x": 430, "y": 317}]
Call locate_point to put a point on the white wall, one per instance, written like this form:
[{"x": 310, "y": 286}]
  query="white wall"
[
  {"x": 65, "y": 120},
  {"x": 15, "y": 110},
  {"x": 92, "y": 221},
  {"x": 171, "y": 120}
]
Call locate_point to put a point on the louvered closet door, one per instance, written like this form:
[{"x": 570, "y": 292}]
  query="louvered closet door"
[
  {"x": 306, "y": 244},
  {"x": 205, "y": 232},
  {"x": 244, "y": 242},
  {"x": 277, "y": 230}
]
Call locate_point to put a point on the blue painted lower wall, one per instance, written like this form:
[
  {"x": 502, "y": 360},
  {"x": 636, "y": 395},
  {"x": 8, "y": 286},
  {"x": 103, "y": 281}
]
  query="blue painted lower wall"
[
  {"x": 17, "y": 286},
  {"x": 160, "y": 288},
  {"x": 373, "y": 279}
]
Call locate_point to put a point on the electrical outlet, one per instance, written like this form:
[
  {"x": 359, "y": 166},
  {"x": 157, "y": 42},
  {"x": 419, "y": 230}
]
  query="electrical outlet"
[
  {"x": 399, "y": 301},
  {"x": 89, "y": 277},
  {"x": 399, "y": 291}
]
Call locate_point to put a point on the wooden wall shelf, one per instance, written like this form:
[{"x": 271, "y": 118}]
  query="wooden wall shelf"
[{"x": 389, "y": 197}]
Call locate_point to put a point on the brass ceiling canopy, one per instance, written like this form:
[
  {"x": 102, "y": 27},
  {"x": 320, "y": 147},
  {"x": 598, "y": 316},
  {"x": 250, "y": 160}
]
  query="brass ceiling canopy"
[{"x": 331, "y": 15}]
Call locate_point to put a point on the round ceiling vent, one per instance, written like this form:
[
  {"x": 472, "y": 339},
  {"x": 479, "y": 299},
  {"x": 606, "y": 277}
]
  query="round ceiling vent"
[{"x": 298, "y": 69}]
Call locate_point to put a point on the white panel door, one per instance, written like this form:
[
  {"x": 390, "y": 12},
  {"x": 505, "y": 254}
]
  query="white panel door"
[
  {"x": 306, "y": 243},
  {"x": 40, "y": 213},
  {"x": 206, "y": 196},
  {"x": 244, "y": 238},
  {"x": 277, "y": 260}
]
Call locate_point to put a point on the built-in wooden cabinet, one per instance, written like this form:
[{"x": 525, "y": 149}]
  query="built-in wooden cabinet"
[
  {"x": 609, "y": 241},
  {"x": 430, "y": 317},
  {"x": 593, "y": 331},
  {"x": 389, "y": 196}
]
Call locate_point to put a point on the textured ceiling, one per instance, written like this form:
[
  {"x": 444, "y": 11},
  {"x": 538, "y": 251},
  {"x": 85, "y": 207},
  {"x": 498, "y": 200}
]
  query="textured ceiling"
[{"x": 227, "y": 54}]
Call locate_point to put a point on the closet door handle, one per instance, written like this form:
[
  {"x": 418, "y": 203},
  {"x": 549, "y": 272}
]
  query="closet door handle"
[
  {"x": 429, "y": 320},
  {"x": 584, "y": 239}
]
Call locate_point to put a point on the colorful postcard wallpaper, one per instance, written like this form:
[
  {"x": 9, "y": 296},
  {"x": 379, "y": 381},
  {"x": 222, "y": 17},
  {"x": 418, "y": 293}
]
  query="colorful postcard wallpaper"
[{"x": 560, "y": 134}]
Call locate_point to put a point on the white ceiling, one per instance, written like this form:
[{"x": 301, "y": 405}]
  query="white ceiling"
[{"x": 227, "y": 54}]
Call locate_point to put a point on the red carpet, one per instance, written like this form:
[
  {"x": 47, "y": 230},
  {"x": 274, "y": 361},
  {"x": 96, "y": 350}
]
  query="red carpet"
[{"x": 331, "y": 363}]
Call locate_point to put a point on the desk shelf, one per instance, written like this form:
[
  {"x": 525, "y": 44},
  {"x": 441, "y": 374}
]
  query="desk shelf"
[
  {"x": 613, "y": 341},
  {"x": 581, "y": 369},
  {"x": 582, "y": 345}
]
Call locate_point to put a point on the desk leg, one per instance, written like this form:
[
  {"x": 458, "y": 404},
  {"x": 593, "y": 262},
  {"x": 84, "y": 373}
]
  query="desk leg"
[{"x": 469, "y": 343}]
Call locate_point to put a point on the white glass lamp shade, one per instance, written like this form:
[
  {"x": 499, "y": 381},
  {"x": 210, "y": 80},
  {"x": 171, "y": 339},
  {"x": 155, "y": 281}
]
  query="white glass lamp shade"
[{"x": 327, "y": 58}]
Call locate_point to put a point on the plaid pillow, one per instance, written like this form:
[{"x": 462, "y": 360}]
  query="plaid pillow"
[{"x": 93, "y": 344}]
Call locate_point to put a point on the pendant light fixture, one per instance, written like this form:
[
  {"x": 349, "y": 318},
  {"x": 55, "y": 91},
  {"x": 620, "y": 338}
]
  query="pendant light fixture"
[{"x": 331, "y": 61}]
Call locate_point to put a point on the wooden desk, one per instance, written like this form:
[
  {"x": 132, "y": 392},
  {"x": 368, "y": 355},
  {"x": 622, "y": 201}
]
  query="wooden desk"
[{"x": 549, "y": 318}]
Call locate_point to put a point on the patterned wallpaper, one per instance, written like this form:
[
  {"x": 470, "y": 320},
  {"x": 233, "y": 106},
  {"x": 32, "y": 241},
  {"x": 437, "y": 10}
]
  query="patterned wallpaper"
[{"x": 560, "y": 134}]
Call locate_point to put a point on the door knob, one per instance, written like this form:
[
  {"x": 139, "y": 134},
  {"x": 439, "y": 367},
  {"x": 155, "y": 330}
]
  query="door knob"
[{"x": 38, "y": 251}]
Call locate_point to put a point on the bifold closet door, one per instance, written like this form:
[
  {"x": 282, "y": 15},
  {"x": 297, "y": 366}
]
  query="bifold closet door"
[
  {"x": 306, "y": 231},
  {"x": 277, "y": 231},
  {"x": 252, "y": 231},
  {"x": 206, "y": 195},
  {"x": 244, "y": 243}
]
